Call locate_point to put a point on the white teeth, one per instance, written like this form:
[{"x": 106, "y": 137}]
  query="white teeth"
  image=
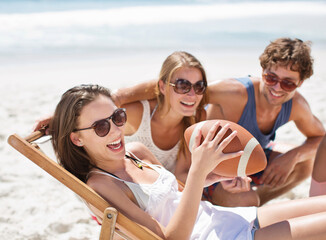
[
  {"x": 116, "y": 142},
  {"x": 275, "y": 94},
  {"x": 116, "y": 147},
  {"x": 188, "y": 103}
]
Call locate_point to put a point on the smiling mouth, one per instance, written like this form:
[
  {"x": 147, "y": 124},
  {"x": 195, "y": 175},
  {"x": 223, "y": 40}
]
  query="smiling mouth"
[
  {"x": 274, "y": 94},
  {"x": 190, "y": 104},
  {"x": 115, "y": 145}
]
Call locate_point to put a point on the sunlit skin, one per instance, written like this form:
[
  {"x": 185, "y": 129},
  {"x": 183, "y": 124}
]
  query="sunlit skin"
[
  {"x": 100, "y": 148},
  {"x": 275, "y": 95},
  {"x": 166, "y": 123},
  {"x": 318, "y": 180},
  {"x": 183, "y": 104},
  {"x": 108, "y": 152}
]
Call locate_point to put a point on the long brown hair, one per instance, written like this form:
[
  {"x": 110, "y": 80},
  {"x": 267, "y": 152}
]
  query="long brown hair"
[
  {"x": 173, "y": 63},
  {"x": 64, "y": 122}
]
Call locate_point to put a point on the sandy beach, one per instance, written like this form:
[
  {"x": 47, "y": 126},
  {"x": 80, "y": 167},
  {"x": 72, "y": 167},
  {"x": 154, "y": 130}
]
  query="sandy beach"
[{"x": 40, "y": 61}]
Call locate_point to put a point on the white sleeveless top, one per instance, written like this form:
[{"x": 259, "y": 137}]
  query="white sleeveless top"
[
  {"x": 143, "y": 134},
  {"x": 161, "y": 199}
]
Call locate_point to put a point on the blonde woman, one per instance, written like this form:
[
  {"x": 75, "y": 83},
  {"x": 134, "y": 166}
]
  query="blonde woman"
[{"x": 160, "y": 123}]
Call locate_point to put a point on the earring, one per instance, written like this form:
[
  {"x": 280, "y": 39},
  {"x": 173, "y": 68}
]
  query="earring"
[{"x": 80, "y": 144}]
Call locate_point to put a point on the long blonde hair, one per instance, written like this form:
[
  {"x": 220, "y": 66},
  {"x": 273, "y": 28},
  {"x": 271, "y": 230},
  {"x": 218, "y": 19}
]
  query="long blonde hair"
[{"x": 173, "y": 63}]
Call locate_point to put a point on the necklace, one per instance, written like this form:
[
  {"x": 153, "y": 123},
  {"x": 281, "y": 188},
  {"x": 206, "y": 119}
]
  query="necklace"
[{"x": 136, "y": 161}]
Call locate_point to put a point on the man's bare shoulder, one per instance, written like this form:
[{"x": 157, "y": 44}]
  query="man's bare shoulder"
[
  {"x": 304, "y": 118},
  {"x": 300, "y": 107},
  {"x": 228, "y": 85},
  {"x": 227, "y": 90},
  {"x": 255, "y": 80},
  {"x": 299, "y": 102},
  {"x": 227, "y": 100}
]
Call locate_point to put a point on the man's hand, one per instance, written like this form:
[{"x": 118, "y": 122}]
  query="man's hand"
[{"x": 278, "y": 170}]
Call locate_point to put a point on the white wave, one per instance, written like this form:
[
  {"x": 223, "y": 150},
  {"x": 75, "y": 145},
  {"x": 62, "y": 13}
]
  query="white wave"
[{"x": 151, "y": 15}]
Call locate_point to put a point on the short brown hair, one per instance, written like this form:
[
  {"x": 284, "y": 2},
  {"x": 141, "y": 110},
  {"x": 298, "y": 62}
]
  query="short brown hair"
[
  {"x": 289, "y": 52},
  {"x": 64, "y": 122}
]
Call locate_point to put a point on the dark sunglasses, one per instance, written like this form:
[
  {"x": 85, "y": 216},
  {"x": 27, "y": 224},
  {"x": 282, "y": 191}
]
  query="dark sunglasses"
[
  {"x": 183, "y": 86},
  {"x": 272, "y": 80},
  {"x": 102, "y": 127}
]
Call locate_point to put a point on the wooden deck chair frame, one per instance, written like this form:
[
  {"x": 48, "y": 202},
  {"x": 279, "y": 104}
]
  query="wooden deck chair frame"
[{"x": 113, "y": 222}]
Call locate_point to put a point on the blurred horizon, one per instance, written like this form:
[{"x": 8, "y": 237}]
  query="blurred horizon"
[{"x": 71, "y": 27}]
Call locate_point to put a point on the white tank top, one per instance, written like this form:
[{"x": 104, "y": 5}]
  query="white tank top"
[
  {"x": 143, "y": 134},
  {"x": 160, "y": 200},
  {"x": 141, "y": 191}
]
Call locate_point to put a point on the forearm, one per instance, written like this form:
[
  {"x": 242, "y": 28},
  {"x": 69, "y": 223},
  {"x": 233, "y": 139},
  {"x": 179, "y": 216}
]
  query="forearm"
[
  {"x": 305, "y": 151},
  {"x": 320, "y": 163},
  {"x": 183, "y": 220},
  {"x": 141, "y": 91}
]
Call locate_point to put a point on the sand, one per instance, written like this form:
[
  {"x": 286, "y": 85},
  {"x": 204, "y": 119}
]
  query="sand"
[{"x": 36, "y": 206}]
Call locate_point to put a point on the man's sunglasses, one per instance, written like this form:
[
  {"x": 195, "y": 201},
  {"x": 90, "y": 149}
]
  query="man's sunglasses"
[
  {"x": 272, "y": 80},
  {"x": 183, "y": 86},
  {"x": 102, "y": 127}
]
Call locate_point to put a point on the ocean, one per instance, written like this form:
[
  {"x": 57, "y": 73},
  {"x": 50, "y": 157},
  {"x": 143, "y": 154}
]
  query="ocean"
[{"x": 65, "y": 27}]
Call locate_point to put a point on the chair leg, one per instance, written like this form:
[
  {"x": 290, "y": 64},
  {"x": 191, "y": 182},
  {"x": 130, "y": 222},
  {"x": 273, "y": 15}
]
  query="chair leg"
[{"x": 108, "y": 223}]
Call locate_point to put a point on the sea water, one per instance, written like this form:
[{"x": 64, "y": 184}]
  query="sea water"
[{"x": 52, "y": 26}]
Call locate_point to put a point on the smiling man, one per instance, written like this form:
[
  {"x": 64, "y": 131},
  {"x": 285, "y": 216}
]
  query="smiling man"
[{"x": 262, "y": 105}]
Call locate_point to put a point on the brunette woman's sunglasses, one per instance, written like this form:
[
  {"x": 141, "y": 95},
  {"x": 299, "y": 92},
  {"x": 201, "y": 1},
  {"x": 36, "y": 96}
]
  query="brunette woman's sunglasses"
[
  {"x": 272, "y": 80},
  {"x": 183, "y": 86},
  {"x": 102, "y": 127}
]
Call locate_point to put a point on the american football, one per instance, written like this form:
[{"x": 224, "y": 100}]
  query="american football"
[{"x": 253, "y": 159}]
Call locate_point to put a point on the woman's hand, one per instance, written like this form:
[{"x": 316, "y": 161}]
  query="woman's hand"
[{"x": 207, "y": 155}]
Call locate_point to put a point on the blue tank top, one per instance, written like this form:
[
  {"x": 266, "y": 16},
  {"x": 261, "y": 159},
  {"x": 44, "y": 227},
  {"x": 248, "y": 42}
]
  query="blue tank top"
[{"x": 248, "y": 118}]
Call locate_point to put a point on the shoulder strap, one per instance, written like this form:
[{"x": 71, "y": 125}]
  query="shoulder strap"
[
  {"x": 106, "y": 172},
  {"x": 154, "y": 110}
]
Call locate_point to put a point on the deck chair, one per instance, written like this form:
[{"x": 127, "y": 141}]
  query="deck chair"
[{"x": 114, "y": 224}]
